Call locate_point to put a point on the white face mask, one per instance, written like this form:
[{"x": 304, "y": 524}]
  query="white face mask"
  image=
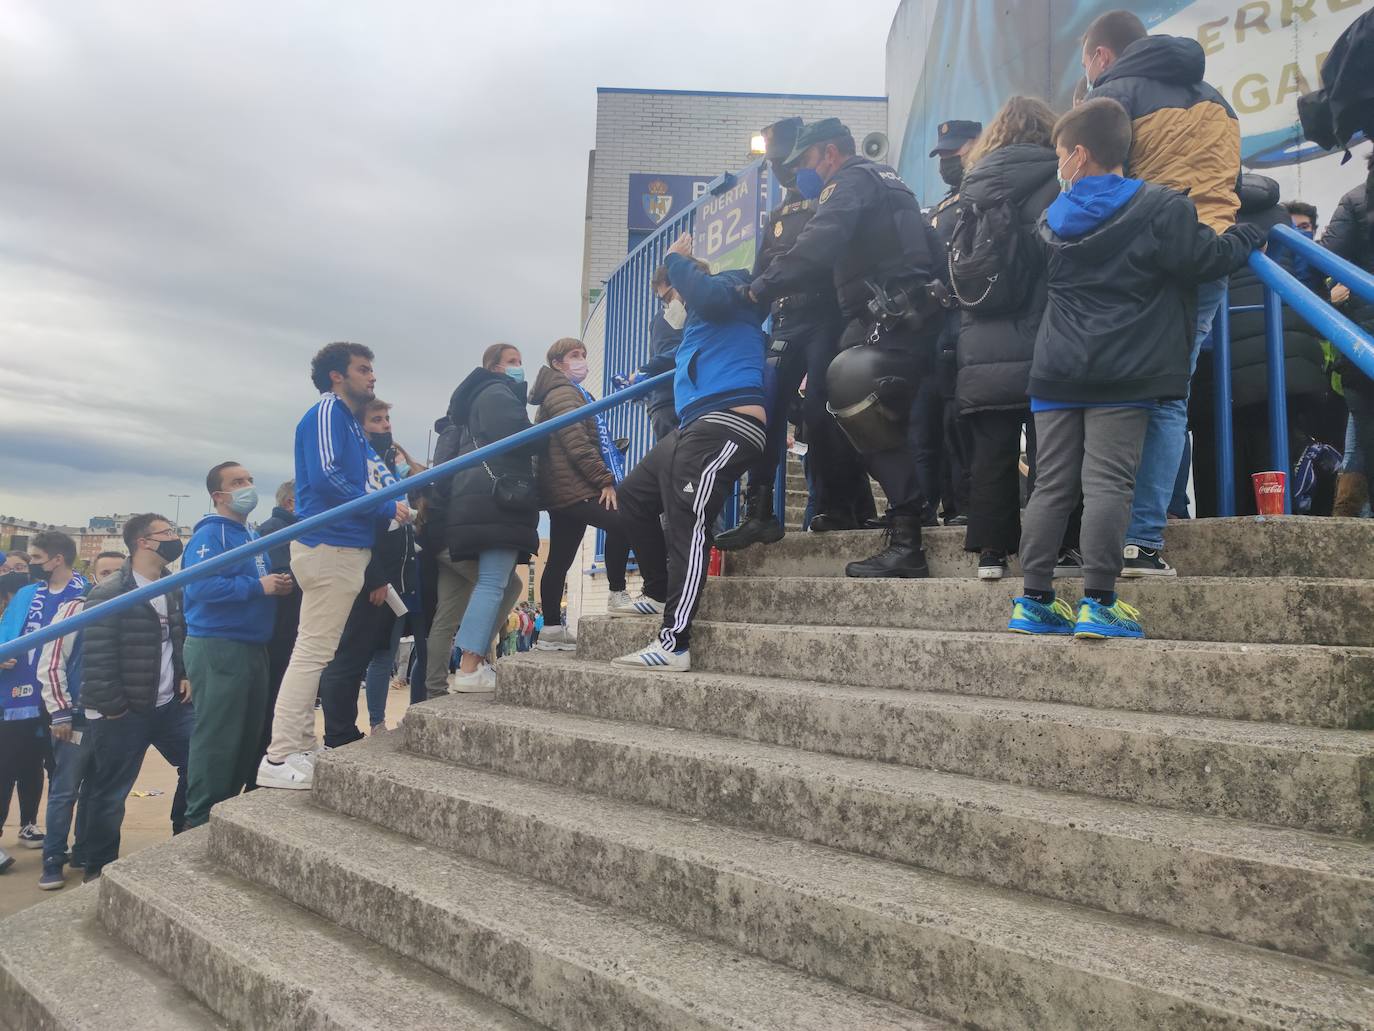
[
  {"x": 676, "y": 313},
  {"x": 576, "y": 370}
]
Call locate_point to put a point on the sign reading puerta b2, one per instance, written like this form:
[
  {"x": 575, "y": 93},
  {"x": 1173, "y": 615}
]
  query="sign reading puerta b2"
[{"x": 726, "y": 229}]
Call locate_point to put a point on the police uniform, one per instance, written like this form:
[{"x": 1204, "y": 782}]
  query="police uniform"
[{"x": 868, "y": 228}]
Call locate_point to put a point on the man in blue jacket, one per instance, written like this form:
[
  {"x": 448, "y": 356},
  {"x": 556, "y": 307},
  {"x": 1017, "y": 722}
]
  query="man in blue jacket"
[
  {"x": 229, "y": 620},
  {"x": 334, "y": 464},
  {"x": 718, "y": 390}
]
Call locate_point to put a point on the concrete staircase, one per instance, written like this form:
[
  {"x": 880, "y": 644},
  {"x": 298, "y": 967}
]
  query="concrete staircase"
[{"x": 868, "y": 808}]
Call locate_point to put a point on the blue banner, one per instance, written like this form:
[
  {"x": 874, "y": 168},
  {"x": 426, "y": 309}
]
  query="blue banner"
[{"x": 656, "y": 198}]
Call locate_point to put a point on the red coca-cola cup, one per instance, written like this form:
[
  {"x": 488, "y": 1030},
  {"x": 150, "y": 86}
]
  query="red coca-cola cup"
[
  {"x": 1269, "y": 492},
  {"x": 715, "y": 564}
]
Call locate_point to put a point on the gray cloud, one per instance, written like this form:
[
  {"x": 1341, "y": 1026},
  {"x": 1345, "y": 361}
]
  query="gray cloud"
[{"x": 194, "y": 197}]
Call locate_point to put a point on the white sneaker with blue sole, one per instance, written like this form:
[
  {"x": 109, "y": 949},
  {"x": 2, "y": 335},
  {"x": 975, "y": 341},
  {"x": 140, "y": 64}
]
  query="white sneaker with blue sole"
[
  {"x": 657, "y": 658},
  {"x": 641, "y": 606}
]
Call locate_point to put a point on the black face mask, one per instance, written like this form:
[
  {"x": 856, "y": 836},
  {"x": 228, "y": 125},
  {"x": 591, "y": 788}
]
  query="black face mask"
[
  {"x": 952, "y": 170},
  {"x": 38, "y": 574},
  {"x": 169, "y": 551},
  {"x": 381, "y": 442}
]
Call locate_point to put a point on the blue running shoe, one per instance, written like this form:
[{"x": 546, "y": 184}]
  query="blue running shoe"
[
  {"x": 1097, "y": 621},
  {"x": 1029, "y": 616}
]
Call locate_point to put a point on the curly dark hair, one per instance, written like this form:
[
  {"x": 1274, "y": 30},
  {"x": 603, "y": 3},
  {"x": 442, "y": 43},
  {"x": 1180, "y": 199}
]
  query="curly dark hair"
[{"x": 335, "y": 358}]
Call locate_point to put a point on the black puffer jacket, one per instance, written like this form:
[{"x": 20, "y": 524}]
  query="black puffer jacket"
[
  {"x": 995, "y": 351},
  {"x": 487, "y": 407},
  {"x": 1350, "y": 233},
  {"x": 122, "y": 655}
]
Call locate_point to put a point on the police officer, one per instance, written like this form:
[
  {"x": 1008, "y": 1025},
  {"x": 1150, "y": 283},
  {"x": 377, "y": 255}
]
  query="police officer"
[
  {"x": 942, "y": 450},
  {"x": 868, "y": 229},
  {"x": 806, "y": 327}
]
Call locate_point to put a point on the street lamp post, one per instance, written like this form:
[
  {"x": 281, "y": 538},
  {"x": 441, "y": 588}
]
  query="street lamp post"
[{"x": 177, "y": 524}]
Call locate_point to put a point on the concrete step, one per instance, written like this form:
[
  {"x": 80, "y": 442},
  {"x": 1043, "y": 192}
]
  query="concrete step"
[
  {"x": 1306, "y": 546},
  {"x": 1298, "y": 893},
  {"x": 1276, "y": 610},
  {"x": 60, "y": 971},
  {"x": 1292, "y": 776},
  {"x": 1297, "y": 684},
  {"x": 564, "y": 961},
  {"x": 976, "y": 955},
  {"x": 263, "y": 963}
]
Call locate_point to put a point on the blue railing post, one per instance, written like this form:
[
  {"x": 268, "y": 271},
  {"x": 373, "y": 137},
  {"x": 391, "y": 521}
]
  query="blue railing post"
[
  {"x": 1225, "y": 431},
  {"x": 1278, "y": 390}
]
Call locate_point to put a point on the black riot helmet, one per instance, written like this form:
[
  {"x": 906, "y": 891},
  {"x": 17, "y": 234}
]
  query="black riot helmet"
[{"x": 778, "y": 141}]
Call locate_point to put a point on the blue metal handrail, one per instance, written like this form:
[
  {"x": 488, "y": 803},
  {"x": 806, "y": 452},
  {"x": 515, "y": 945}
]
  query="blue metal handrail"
[
  {"x": 1280, "y": 287},
  {"x": 367, "y": 502}
]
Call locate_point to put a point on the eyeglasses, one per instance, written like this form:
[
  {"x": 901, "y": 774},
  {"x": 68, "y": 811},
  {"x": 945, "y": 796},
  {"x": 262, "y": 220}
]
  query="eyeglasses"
[{"x": 162, "y": 535}]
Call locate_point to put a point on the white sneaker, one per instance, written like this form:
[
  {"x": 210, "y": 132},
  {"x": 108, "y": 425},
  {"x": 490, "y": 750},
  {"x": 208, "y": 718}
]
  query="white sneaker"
[
  {"x": 297, "y": 773},
  {"x": 556, "y": 639},
  {"x": 616, "y": 599},
  {"x": 479, "y": 681},
  {"x": 641, "y": 606},
  {"x": 658, "y": 659}
]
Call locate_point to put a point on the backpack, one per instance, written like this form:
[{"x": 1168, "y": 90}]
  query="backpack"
[
  {"x": 1314, "y": 479},
  {"x": 992, "y": 264},
  {"x": 1331, "y": 117}
]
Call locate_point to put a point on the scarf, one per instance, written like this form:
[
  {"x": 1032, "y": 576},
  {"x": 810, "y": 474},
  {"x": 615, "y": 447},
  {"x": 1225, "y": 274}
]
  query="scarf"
[{"x": 610, "y": 454}]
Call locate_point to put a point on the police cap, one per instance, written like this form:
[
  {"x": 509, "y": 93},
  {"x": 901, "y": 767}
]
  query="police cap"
[
  {"x": 954, "y": 134},
  {"x": 817, "y": 132},
  {"x": 779, "y": 139}
]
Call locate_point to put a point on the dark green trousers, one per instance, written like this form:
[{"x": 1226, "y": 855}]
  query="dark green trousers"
[{"x": 229, "y": 688}]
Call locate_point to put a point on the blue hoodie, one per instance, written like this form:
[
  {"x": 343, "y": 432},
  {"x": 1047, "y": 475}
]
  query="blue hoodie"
[
  {"x": 720, "y": 359},
  {"x": 228, "y": 604},
  {"x": 335, "y": 463}
]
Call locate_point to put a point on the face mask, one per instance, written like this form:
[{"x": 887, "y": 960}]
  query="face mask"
[
  {"x": 952, "y": 170},
  {"x": 242, "y": 501},
  {"x": 809, "y": 183},
  {"x": 676, "y": 313},
  {"x": 402, "y": 468},
  {"x": 381, "y": 442},
  {"x": 516, "y": 372},
  {"x": 170, "y": 551},
  {"x": 576, "y": 371},
  {"x": 38, "y": 574},
  {"x": 1308, "y": 232},
  {"x": 1066, "y": 182}
]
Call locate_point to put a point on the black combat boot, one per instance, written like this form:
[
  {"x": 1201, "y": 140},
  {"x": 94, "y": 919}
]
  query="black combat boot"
[
  {"x": 902, "y": 555},
  {"x": 828, "y": 522},
  {"x": 759, "y": 525}
]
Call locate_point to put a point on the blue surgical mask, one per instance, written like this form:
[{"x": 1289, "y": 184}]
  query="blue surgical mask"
[
  {"x": 402, "y": 469},
  {"x": 243, "y": 500},
  {"x": 1308, "y": 232},
  {"x": 809, "y": 183},
  {"x": 516, "y": 372}
]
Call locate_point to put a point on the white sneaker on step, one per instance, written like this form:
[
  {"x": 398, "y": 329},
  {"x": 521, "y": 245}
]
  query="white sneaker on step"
[
  {"x": 641, "y": 606},
  {"x": 479, "y": 681},
  {"x": 616, "y": 599},
  {"x": 556, "y": 639},
  {"x": 297, "y": 773},
  {"x": 657, "y": 658}
]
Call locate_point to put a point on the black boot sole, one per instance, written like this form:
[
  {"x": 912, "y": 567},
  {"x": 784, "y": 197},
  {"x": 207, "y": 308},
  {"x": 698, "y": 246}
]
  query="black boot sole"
[
  {"x": 896, "y": 573},
  {"x": 729, "y": 541}
]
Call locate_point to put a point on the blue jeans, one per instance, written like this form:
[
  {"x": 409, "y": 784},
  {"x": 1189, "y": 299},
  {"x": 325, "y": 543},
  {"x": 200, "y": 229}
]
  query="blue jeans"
[
  {"x": 68, "y": 785},
  {"x": 1164, "y": 440},
  {"x": 377, "y": 681},
  {"x": 494, "y": 568},
  {"x": 117, "y": 750}
]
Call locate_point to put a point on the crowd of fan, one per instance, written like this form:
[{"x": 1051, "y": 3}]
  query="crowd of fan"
[{"x": 1089, "y": 378}]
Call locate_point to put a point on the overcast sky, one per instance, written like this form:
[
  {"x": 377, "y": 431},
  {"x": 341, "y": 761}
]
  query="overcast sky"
[{"x": 195, "y": 196}]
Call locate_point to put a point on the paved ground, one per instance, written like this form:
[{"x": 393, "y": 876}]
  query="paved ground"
[{"x": 147, "y": 820}]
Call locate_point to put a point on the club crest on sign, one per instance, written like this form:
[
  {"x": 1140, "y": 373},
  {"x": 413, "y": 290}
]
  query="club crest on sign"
[{"x": 658, "y": 201}]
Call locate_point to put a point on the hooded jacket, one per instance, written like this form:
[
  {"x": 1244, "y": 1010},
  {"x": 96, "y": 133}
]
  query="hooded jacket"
[
  {"x": 994, "y": 351},
  {"x": 720, "y": 359},
  {"x": 663, "y": 345},
  {"x": 1350, "y": 234},
  {"x": 1124, "y": 259},
  {"x": 229, "y": 604},
  {"x": 487, "y": 407},
  {"x": 122, "y": 655},
  {"x": 1183, "y": 133},
  {"x": 334, "y": 464},
  {"x": 572, "y": 469}
]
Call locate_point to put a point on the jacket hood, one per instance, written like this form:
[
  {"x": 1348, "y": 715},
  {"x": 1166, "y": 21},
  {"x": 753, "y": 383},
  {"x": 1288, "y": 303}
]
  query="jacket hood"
[
  {"x": 1010, "y": 173},
  {"x": 1172, "y": 59},
  {"x": 1110, "y": 236},
  {"x": 477, "y": 380},
  {"x": 1257, "y": 193},
  {"x": 226, "y": 528},
  {"x": 283, "y": 515},
  {"x": 548, "y": 380},
  {"x": 1091, "y": 203}
]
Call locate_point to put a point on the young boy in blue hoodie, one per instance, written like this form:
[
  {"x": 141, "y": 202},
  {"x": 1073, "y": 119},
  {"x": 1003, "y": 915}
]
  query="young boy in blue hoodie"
[
  {"x": 718, "y": 391},
  {"x": 230, "y": 615},
  {"x": 1124, "y": 260}
]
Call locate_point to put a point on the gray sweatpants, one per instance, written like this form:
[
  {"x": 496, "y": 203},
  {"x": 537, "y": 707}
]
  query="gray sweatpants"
[{"x": 1095, "y": 452}]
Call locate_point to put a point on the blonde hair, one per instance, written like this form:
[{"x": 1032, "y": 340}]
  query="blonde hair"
[
  {"x": 563, "y": 347},
  {"x": 1021, "y": 120}
]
